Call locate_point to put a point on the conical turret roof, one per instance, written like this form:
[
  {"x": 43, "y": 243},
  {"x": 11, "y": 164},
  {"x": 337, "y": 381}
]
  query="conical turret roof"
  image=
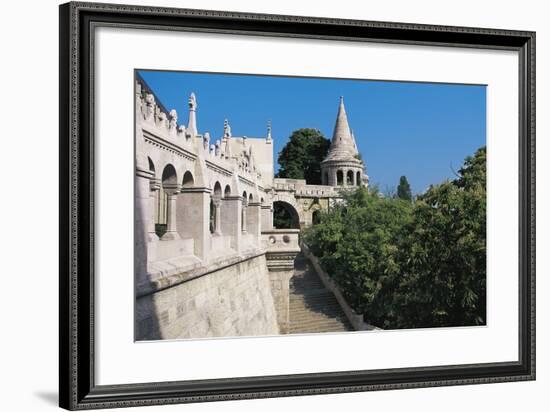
[{"x": 343, "y": 145}]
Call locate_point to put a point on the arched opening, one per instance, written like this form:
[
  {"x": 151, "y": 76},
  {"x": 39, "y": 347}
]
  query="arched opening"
[
  {"x": 212, "y": 216},
  {"x": 339, "y": 178},
  {"x": 188, "y": 180},
  {"x": 165, "y": 221},
  {"x": 316, "y": 217},
  {"x": 215, "y": 205},
  {"x": 349, "y": 178},
  {"x": 169, "y": 176},
  {"x": 261, "y": 200},
  {"x": 250, "y": 198},
  {"x": 285, "y": 216},
  {"x": 358, "y": 180},
  {"x": 243, "y": 212},
  {"x": 217, "y": 191},
  {"x": 227, "y": 191}
]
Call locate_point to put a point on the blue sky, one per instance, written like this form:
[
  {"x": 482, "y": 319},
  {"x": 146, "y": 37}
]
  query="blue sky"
[{"x": 420, "y": 130}]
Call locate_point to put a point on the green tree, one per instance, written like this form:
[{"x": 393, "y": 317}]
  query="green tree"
[
  {"x": 404, "y": 264},
  {"x": 443, "y": 257},
  {"x": 404, "y": 189},
  {"x": 302, "y": 155},
  {"x": 357, "y": 244}
]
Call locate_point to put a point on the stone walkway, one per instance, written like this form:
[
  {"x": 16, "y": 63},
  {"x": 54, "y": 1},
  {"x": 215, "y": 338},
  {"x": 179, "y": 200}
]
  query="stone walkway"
[{"x": 313, "y": 308}]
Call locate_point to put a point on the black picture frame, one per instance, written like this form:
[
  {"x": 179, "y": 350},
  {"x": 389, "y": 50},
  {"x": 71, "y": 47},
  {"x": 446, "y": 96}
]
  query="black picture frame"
[{"x": 77, "y": 387}]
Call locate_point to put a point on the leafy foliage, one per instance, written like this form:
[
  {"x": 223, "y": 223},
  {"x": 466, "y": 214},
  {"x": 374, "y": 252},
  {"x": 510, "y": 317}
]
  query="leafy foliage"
[
  {"x": 404, "y": 189},
  {"x": 302, "y": 155},
  {"x": 283, "y": 218},
  {"x": 405, "y": 264}
]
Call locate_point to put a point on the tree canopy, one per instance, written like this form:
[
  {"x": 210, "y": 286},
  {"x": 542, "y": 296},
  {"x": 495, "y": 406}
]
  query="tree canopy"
[
  {"x": 405, "y": 264},
  {"x": 302, "y": 155},
  {"x": 404, "y": 189}
]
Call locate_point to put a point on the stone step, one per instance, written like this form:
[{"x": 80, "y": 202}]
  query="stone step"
[
  {"x": 325, "y": 297},
  {"x": 323, "y": 310},
  {"x": 313, "y": 308},
  {"x": 305, "y": 321},
  {"x": 319, "y": 324},
  {"x": 327, "y": 312},
  {"x": 318, "y": 330}
]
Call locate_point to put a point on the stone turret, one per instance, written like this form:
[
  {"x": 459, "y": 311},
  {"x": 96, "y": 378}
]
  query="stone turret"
[{"x": 343, "y": 165}]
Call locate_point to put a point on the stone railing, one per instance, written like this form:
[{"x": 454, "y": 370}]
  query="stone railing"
[
  {"x": 356, "y": 320},
  {"x": 277, "y": 239},
  {"x": 301, "y": 188}
]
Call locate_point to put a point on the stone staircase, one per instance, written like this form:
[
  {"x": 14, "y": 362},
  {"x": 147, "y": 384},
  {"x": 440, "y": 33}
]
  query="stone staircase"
[{"x": 313, "y": 308}]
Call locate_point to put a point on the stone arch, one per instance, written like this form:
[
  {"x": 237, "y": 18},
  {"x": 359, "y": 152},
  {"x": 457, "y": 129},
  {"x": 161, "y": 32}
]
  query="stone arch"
[
  {"x": 349, "y": 178},
  {"x": 170, "y": 189},
  {"x": 188, "y": 179},
  {"x": 339, "y": 178},
  {"x": 358, "y": 179},
  {"x": 286, "y": 215},
  {"x": 227, "y": 191},
  {"x": 243, "y": 211},
  {"x": 217, "y": 192},
  {"x": 250, "y": 198},
  {"x": 169, "y": 176}
]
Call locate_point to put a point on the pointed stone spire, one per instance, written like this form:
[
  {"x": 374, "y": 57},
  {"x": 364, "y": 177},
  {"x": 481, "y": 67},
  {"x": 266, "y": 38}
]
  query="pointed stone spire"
[
  {"x": 343, "y": 145},
  {"x": 192, "y": 126},
  {"x": 269, "y": 138}
]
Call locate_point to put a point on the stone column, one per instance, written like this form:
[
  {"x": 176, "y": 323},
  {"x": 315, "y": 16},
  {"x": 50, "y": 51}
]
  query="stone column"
[
  {"x": 244, "y": 218},
  {"x": 231, "y": 220},
  {"x": 154, "y": 185},
  {"x": 353, "y": 178},
  {"x": 254, "y": 219},
  {"x": 267, "y": 217},
  {"x": 217, "y": 216},
  {"x": 193, "y": 217},
  {"x": 280, "y": 257},
  {"x": 141, "y": 223},
  {"x": 172, "y": 191},
  {"x": 345, "y": 177}
]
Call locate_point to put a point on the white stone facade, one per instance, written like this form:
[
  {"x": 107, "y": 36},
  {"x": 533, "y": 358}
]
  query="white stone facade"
[{"x": 203, "y": 214}]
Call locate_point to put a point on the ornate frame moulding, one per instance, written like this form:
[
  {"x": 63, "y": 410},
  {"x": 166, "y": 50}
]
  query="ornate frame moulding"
[{"x": 77, "y": 384}]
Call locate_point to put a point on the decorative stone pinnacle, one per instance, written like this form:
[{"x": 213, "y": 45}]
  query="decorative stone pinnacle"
[
  {"x": 192, "y": 101},
  {"x": 269, "y": 130},
  {"x": 192, "y": 126},
  {"x": 226, "y": 129}
]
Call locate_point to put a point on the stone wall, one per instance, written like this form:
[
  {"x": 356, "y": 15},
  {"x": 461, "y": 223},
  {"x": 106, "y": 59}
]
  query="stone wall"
[{"x": 235, "y": 300}]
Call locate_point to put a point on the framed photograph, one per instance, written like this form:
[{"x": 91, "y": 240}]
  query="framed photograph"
[{"x": 261, "y": 205}]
